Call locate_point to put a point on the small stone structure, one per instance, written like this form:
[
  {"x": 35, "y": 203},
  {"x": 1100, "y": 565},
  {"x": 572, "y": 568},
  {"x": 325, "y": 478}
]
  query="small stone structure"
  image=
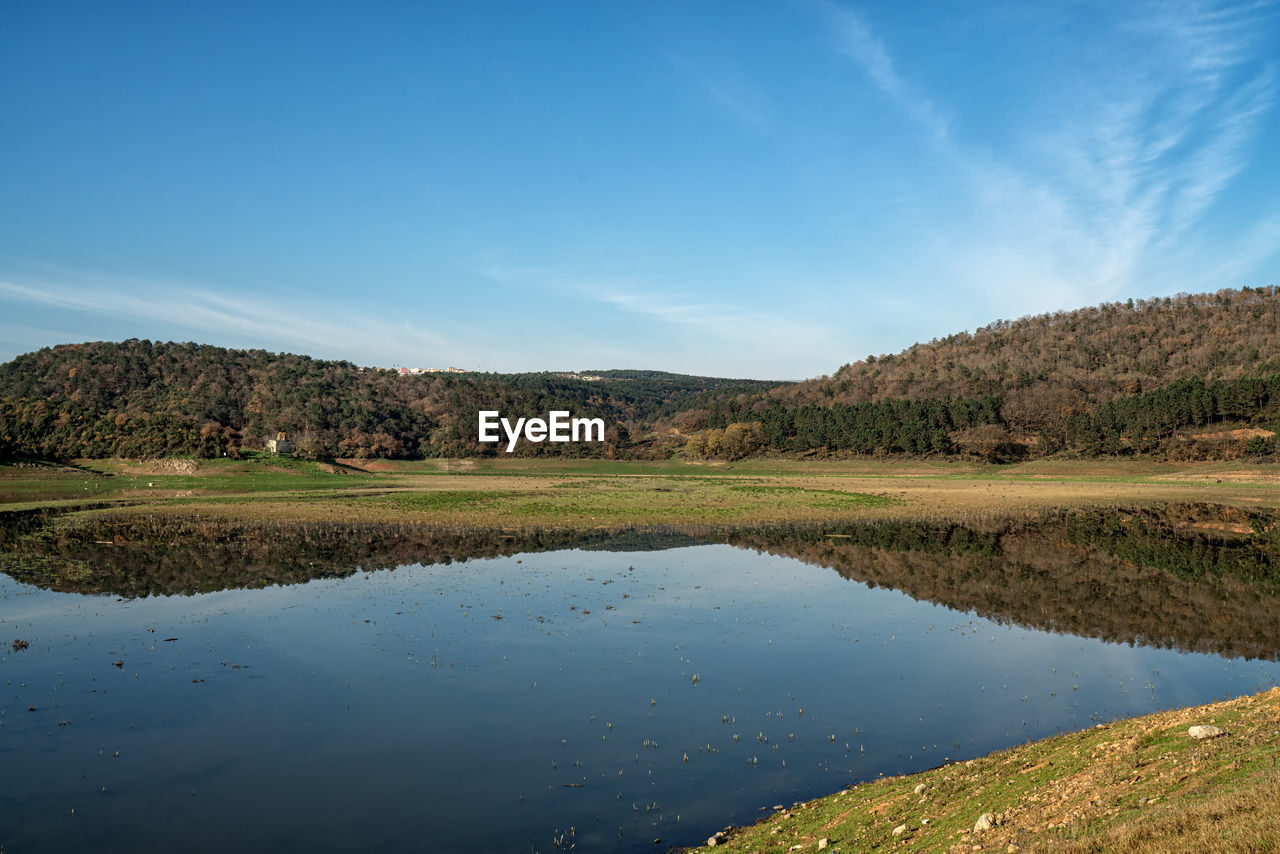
[{"x": 280, "y": 444}]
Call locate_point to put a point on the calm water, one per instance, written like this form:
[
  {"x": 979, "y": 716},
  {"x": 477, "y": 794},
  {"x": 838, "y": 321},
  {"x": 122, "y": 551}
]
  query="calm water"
[{"x": 608, "y": 699}]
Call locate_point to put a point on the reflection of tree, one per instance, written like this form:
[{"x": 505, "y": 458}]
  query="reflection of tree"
[
  {"x": 1187, "y": 578},
  {"x": 1191, "y": 577}
]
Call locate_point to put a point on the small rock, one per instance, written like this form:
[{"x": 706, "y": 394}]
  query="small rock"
[
  {"x": 822, "y": 843},
  {"x": 899, "y": 830},
  {"x": 986, "y": 821},
  {"x": 1202, "y": 732},
  {"x": 1013, "y": 849},
  {"x": 712, "y": 841},
  {"x": 919, "y": 790}
]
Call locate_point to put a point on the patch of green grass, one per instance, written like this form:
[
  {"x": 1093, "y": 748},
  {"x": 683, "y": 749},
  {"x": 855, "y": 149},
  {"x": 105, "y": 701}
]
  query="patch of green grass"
[{"x": 452, "y": 499}]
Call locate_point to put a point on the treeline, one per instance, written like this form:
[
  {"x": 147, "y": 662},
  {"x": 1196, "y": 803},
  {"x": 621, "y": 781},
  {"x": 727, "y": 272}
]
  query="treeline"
[
  {"x": 1153, "y": 423},
  {"x": 36, "y": 428},
  {"x": 139, "y": 399},
  {"x": 894, "y": 426}
]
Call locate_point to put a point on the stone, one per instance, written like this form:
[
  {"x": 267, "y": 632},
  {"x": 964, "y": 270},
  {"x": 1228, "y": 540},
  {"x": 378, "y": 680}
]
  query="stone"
[
  {"x": 1013, "y": 849},
  {"x": 900, "y": 830},
  {"x": 986, "y": 821},
  {"x": 823, "y": 842},
  {"x": 919, "y": 790},
  {"x": 712, "y": 841},
  {"x": 1204, "y": 731}
]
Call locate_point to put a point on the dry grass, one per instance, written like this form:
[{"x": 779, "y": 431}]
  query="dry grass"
[
  {"x": 1243, "y": 820},
  {"x": 589, "y": 493},
  {"x": 1137, "y": 785}
]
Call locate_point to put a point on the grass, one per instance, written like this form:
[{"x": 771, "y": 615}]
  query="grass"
[
  {"x": 108, "y": 482},
  {"x": 591, "y": 492},
  {"x": 1139, "y": 785}
]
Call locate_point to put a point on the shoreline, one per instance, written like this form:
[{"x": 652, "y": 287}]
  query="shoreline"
[{"x": 1136, "y": 784}]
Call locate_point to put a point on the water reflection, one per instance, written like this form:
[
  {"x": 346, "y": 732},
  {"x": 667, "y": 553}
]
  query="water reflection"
[
  {"x": 504, "y": 690},
  {"x": 1192, "y": 577}
]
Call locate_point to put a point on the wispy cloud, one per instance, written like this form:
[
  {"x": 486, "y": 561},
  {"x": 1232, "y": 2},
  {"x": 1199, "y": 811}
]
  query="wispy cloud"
[
  {"x": 248, "y": 319},
  {"x": 723, "y": 337},
  {"x": 1112, "y": 198},
  {"x": 717, "y": 319},
  {"x": 856, "y": 39},
  {"x": 768, "y": 344},
  {"x": 743, "y": 103}
]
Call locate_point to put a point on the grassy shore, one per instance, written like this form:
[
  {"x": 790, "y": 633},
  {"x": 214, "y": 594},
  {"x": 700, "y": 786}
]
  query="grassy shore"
[
  {"x": 1142, "y": 785},
  {"x": 577, "y": 493}
]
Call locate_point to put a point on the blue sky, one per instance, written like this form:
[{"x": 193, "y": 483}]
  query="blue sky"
[{"x": 763, "y": 189}]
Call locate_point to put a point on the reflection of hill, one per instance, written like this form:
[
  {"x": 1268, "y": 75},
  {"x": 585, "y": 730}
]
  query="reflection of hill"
[
  {"x": 1192, "y": 577},
  {"x": 1186, "y": 578},
  {"x": 142, "y": 556},
  {"x": 640, "y": 540}
]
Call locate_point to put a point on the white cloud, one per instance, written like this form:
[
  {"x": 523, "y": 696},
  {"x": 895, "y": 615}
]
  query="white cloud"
[{"x": 1111, "y": 201}]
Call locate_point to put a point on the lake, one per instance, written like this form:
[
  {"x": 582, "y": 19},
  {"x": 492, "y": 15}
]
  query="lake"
[{"x": 628, "y": 693}]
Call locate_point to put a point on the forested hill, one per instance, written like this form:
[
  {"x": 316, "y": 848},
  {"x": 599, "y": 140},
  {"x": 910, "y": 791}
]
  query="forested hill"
[
  {"x": 1185, "y": 377},
  {"x": 1072, "y": 361},
  {"x": 139, "y": 398},
  {"x": 1127, "y": 377}
]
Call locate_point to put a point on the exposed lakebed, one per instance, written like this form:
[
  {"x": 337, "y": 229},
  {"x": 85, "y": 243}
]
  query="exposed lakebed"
[{"x": 533, "y": 691}]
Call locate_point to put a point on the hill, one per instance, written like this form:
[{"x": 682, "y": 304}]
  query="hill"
[
  {"x": 1129, "y": 377},
  {"x": 1058, "y": 364},
  {"x": 1186, "y": 377},
  {"x": 140, "y": 399}
]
